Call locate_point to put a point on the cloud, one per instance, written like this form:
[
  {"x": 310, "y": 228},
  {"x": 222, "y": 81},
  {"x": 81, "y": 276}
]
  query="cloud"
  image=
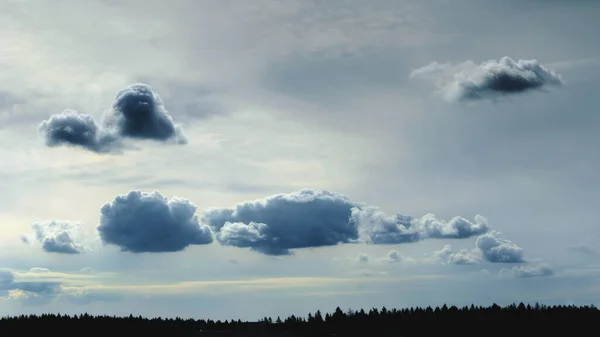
[
  {"x": 496, "y": 248},
  {"x": 56, "y": 236},
  {"x": 469, "y": 81},
  {"x": 318, "y": 218},
  {"x": 378, "y": 228},
  {"x": 137, "y": 112},
  {"x": 12, "y": 289},
  {"x": 149, "y": 222},
  {"x": 281, "y": 222},
  {"x": 583, "y": 249},
  {"x": 462, "y": 257},
  {"x": 396, "y": 257},
  {"x": 75, "y": 129},
  {"x": 526, "y": 271},
  {"x": 362, "y": 258}
]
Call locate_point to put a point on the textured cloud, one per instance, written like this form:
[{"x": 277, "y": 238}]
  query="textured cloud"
[
  {"x": 78, "y": 130},
  {"x": 379, "y": 228},
  {"x": 316, "y": 218},
  {"x": 149, "y": 222},
  {"x": 137, "y": 112},
  {"x": 496, "y": 248},
  {"x": 469, "y": 81},
  {"x": 462, "y": 257},
  {"x": 62, "y": 237},
  {"x": 278, "y": 223},
  {"x": 539, "y": 270}
]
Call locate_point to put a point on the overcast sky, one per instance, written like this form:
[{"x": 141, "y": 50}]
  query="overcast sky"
[{"x": 236, "y": 159}]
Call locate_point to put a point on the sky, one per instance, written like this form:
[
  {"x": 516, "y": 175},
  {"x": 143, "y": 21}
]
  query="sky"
[{"x": 235, "y": 159}]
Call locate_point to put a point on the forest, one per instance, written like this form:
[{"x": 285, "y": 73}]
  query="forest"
[{"x": 512, "y": 320}]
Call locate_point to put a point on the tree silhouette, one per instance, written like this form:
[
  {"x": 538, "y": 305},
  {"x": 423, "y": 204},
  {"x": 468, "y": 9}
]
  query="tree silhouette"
[{"x": 512, "y": 320}]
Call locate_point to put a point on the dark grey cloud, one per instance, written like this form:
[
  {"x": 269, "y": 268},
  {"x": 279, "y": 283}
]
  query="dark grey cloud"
[
  {"x": 149, "y": 222},
  {"x": 316, "y": 218},
  {"x": 469, "y": 81},
  {"x": 496, "y": 248},
  {"x": 281, "y": 222},
  {"x": 75, "y": 129},
  {"x": 137, "y": 112},
  {"x": 540, "y": 270},
  {"x": 62, "y": 237}
]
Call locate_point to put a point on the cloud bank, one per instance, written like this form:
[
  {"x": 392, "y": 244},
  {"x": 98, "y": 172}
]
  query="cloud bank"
[
  {"x": 137, "y": 113},
  {"x": 318, "y": 218},
  {"x": 469, "y": 81},
  {"x": 142, "y": 222},
  {"x": 11, "y": 289}
]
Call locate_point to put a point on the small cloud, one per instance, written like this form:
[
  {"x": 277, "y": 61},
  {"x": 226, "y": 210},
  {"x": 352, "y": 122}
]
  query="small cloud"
[
  {"x": 24, "y": 238},
  {"x": 526, "y": 271},
  {"x": 39, "y": 270},
  {"x": 86, "y": 270},
  {"x": 362, "y": 258},
  {"x": 485, "y": 272},
  {"x": 137, "y": 113},
  {"x": 583, "y": 249},
  {"x": 57, "y": 236},
  {"x": 149, "y": 222},
  {"x": 469, "y": 81},
  {"x": 396, "y": 257},
  {"x": 75, "y": 129},
  {"x": 462, "y": 257},
  {"x": 496, "y": 248}
]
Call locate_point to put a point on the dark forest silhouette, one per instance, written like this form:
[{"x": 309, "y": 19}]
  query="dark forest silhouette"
[{"x": 512, "y": 320}]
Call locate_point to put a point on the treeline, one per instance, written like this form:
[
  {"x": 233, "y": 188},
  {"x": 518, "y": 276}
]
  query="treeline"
[{"x": 513, "y": 320}]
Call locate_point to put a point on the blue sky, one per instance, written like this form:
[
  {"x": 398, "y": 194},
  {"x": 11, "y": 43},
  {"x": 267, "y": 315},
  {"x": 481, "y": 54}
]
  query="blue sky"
[{"x": 195, "y": 158}]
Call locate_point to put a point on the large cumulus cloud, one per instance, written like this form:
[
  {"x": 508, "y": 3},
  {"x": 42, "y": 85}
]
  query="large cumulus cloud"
[
  {"x": 141, "y": 222},
  {"x": 315, "y": 218},
  {"x": 469, "y": 81},
  {"x": 137, "y": 112},
  {"x": 57, "y": 236},
  {"x": 278, "y": 223}
]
